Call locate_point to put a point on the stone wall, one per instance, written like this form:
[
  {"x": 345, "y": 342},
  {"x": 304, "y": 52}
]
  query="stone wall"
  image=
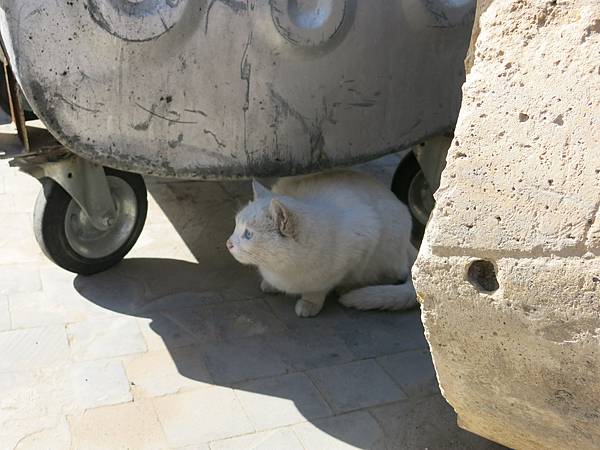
[{"x": 509, "y": 272}]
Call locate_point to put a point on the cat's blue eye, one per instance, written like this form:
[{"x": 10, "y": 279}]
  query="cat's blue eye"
[{"x": 247, "y": 234}]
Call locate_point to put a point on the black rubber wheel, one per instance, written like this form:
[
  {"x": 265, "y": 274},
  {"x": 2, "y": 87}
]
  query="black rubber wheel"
[
  {"x": 54, "y": 208},
  {"x": 407, "y": 174}
]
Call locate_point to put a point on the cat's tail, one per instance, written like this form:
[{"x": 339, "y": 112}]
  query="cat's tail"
[{"x": 391, "y": 297}]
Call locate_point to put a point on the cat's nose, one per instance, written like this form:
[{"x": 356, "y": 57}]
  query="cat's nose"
[{"x": 229, "y": 244}]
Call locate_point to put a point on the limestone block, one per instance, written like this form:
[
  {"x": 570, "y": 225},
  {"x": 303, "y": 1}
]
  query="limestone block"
[{"x": 516, "y": 339}]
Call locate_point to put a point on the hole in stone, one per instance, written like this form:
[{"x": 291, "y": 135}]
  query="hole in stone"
[
  {"x": 482, "y": 275},
  {"x": 559, "y": 120}
]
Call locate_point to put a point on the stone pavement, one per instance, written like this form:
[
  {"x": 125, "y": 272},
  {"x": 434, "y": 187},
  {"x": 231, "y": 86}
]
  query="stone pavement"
[{"x": 176, "y": 348}]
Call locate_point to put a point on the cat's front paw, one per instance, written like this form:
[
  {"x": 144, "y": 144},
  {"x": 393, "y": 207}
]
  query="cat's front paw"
[
  {"x": 307, "y": 309},
  {"x": 267, "y": 288}
]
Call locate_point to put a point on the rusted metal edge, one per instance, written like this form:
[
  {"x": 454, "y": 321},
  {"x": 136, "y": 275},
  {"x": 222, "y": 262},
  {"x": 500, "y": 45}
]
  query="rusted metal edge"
[{"x": 14, "y": 99}]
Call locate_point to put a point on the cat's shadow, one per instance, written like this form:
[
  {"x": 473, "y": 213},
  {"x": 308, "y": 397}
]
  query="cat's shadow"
[{"x": 220, "y": 329}]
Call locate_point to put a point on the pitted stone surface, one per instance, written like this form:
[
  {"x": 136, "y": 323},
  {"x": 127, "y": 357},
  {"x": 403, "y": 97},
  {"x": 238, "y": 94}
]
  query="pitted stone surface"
[
  {"x": 520, "y": 362},
  {"x": 524, "y": 162}
]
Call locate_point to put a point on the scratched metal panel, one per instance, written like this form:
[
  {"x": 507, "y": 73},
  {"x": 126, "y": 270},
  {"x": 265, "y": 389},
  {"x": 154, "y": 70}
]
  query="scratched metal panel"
[{"x": 226, "y": 88}]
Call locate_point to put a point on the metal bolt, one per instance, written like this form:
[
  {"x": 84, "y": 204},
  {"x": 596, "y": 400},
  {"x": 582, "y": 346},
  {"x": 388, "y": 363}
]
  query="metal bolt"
[{"x": 109, "y": 221}]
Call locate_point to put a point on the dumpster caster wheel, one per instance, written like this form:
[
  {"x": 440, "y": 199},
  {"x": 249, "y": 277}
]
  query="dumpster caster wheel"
[
  {"x": 411, "y": 188},
  {"x": 66, "y": 235}
]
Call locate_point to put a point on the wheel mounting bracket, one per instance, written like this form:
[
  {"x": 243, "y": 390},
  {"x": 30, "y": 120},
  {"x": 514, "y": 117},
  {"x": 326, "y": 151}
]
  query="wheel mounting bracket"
[{"x": 84, "y": 181}]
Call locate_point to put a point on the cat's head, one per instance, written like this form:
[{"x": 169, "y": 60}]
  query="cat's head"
[{"x": 265, "y": 230}]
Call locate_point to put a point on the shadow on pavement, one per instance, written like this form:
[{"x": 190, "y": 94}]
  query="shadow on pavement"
[{"x": 220, "y": 329}]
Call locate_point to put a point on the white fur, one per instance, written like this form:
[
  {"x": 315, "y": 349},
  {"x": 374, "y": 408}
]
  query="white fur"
[{"x": 336, "y": 230}]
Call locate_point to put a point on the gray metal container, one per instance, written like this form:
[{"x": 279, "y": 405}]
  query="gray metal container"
[{"x": 232, "y": 88}]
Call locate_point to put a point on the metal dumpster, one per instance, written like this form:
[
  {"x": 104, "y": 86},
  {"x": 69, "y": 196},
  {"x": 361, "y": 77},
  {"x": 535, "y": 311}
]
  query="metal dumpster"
[{"x": 206, "y": 89}]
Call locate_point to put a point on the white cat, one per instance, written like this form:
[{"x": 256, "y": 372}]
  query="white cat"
[{"x": 339, "y": 230}]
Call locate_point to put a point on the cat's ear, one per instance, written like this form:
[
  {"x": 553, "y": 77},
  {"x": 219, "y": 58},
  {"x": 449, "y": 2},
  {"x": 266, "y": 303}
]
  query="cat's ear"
[
  {"x": 283, "y": 218},
  {"x": 259, "y": 190}
]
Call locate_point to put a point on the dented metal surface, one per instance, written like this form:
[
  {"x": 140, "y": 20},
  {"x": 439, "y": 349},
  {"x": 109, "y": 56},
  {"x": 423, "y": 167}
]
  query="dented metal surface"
[{"x": 231, "y": 88}]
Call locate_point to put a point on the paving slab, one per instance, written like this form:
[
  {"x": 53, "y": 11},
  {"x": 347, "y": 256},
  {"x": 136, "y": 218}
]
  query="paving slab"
[
  {"x": 413, "y": 371},
  {"x": 356, "y": 430},
  {"x": 426, "y": 423},
  {"x": 105, "y": 338},
  {"x": 281, "y": 438},
  {"x": 36, "y": 433},
  {"x": 128, "y": 426},
  {"x": 283, "y": 400},
  {"x": 161, "y": 372},
  {"x": 247, "y": 359},
  {"x": 162, "y": 333},
  {"x": 32, "y": 348},
  {"x": 5, "y": 322},
  {"x": 201, "y": 416},
  {"x": 16, "y": 278},
  {"x": 356, "y": 385}
]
